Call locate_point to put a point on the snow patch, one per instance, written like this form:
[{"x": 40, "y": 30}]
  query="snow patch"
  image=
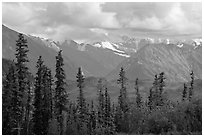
[
  {"x": 167, "y": 41},
  {"x": 47, "y": 42},
  {"x": 198, "y": 42},
  {"x": 108, "y": 45},
  {"x": 124, "y": 55},
  {"x": 180, "y": 45},
  {"x": 51, "y": 44},
  {"x": 97, "y": 45}
]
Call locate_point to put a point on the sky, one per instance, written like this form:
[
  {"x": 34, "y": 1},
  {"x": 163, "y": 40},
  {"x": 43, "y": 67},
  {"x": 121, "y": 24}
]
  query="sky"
[{"x": 88, "y": 22}]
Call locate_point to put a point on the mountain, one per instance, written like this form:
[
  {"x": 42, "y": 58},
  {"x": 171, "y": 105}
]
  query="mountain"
[
  {"x": 37, "y": 47},
  {"x": 96, "y": 59},
  {"x": 152, "y": 59},
  {"x": 106, "y": 53},
  {"x": 90, "y": 66},
  {"x": 141, "y": 57}
]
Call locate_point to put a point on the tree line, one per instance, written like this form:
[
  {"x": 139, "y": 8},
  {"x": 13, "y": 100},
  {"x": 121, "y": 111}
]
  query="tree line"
[{"x": 42, "y": 106}]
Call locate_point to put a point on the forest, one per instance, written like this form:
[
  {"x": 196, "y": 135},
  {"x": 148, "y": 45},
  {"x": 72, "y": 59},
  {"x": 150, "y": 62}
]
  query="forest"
[{"x": 40, "y": 104}]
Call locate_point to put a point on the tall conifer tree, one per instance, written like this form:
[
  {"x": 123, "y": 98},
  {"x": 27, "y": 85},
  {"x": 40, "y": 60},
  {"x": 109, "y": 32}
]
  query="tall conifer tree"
[
  {"x": 122, "y": 99},
  {"x": 81, "y": 99},
  {"x": 191, "y": 86},
  {"x": 9, "y": 102},
  {"x": 37, "y": 116},
  {"x": 22, "y": 77},
  {"x": 61, "y": 97},
  {"x": 184, "y": 94},
  {"x": 138, "y": 96}
]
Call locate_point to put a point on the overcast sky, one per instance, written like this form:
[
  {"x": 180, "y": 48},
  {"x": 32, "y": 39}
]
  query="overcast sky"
[{"x": 104, "y": 21}]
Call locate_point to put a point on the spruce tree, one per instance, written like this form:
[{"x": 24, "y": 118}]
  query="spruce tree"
[
  {"x": 161, "y": 82},
  {"x": 46, "y": 99},
  {"x": 184, "y": 94},
  {"x": 9, "y": 105},
  {"x": 50, "y": 92},
  {"x": 81, "y": 100},
  {"x": 155, "y": 91},
  {"x": 60, "y": 92},
  {"x": 191, "y": 86},
  {"x": 100, "y": 94},
  {"x": 107, "y": 107},
  {"x": 123, "y": 109},
  {"x": 28, "y": 108},
  {"x": 101, "y": 102},
  {"x": 37, "y": 116},
  {"x": 122, "y": 99},
  {"x": 22, "y": 77},
  {"x": 92, "y": 119},
  {"x": 138, "y": 96},
  {"x": 150, "y": 99}
]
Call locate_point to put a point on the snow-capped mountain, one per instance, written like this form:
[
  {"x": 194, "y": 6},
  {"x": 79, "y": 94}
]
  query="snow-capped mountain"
[
  {"x": 47, "y": 42},
  {"x": 116, "y": 49},
  {"x": 176, "y": 62},
  {"x": 98, "y": 58}
]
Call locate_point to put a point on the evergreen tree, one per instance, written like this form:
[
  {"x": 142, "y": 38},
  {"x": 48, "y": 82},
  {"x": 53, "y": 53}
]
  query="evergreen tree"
[
  {"x": 46, "y": 98},
  {"x": 28, "y": 108},
  {"x": 22, "y": 77},
  {"x": 107, "y": 107},
  {"x": 8, "y": 103},
  {"x": 81, "y": 104},
  {"x": 191, "y": 86},
  {"x": 161, "y": 82},
  {"x": 150, "y": 99},
  {"x": 50, "y": 93},
  {"x": 60, "y": 92},
  {"x": 92, "y": 119},
  {"x": 100, "y": 92},
  {"x": 161, "y": 88},
  {"x": 122, "y": 99},
  {"x": 138, "y": 96},
  {"x": 112, "y": 120},
  {"x": 81, "y": 99},
  {"x": 184, "y": 92},
  {"x": 155, "y": 91},
  {"x": 122, "y": 109},
  {"x": 38, "y": 114},
  {"x": 42, "y": 101},
  {"x": 101, "y": 102}
]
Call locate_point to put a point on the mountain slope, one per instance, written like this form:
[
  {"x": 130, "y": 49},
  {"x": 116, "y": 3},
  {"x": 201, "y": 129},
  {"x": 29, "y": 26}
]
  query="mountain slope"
[
  {"x": 36, "y": 48},
  {"x": 90, "y": 66},
  {"x": 154, "y": 58}
]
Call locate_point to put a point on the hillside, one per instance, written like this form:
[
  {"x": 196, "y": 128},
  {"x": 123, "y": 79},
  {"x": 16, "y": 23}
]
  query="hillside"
[
  {"x": 36, "y": 48},
  {"x": 152, "y": 59}
]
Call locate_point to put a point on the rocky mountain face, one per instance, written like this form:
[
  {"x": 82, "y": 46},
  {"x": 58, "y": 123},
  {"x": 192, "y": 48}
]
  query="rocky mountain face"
[
  {"x": 141, "y": 57},
  {"x": 176, "y": 62}
]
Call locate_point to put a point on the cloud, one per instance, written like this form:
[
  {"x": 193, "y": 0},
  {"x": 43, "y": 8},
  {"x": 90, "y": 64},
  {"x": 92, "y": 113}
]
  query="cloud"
[
  {"x": 52, "y": 18},
  {"x": 176, "y": 17},
  {"x": 90, "y": 21},
  {"x": 99, "y": 31}
]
